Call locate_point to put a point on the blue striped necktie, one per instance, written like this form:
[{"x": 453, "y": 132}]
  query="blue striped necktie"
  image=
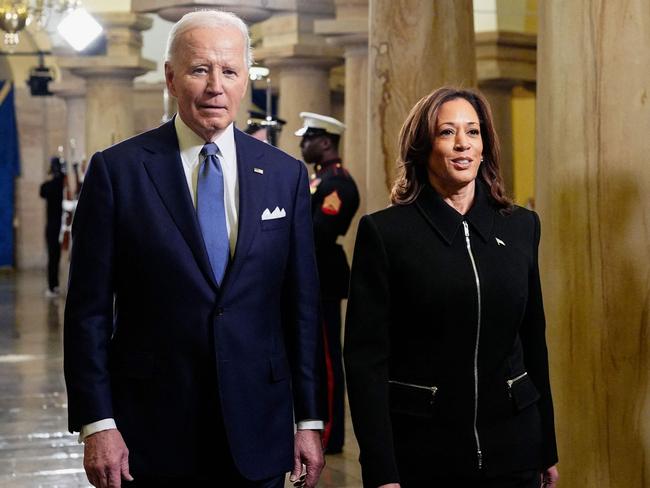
[{"x": 211, "y": 212}]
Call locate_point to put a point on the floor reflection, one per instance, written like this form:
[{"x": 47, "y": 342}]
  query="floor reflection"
[{"x": 35, "y": 448}]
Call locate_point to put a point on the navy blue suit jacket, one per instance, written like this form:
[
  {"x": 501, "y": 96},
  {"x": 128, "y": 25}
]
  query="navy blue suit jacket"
[{"x": 149, "y": 335}]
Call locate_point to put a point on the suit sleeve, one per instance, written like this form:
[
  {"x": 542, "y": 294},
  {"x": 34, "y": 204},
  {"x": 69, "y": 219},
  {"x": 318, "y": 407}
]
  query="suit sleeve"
[
  {"x": 88, "y": 324},
  {"x": 301, "y": 311},
  {"x": 533, "y": 338},
  {"x": 367, "y": 350}
]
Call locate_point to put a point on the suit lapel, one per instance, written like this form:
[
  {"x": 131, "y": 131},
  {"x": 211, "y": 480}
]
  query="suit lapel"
[
  {"x": 165, "y": 168},
  {"x": 252, "y": 189}
]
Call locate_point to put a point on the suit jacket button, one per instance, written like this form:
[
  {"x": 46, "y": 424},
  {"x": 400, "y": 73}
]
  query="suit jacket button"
[{"x": 219, "y": 311}]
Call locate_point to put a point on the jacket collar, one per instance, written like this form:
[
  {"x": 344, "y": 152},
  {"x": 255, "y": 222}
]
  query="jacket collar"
[
  {"x": 446, "y": 220},
  {"x": 163, "y": 164},
  {"x": 252, "y": 191},
  {"x": 325, "y": 165}
]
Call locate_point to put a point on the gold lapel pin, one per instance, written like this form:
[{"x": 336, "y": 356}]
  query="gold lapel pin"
[{"x": 258, "y": 171}]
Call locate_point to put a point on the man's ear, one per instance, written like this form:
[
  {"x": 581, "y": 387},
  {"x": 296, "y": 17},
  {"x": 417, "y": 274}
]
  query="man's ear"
[
  {"x": 169, "y": 78},
  {"x": 326, "y": 142}
]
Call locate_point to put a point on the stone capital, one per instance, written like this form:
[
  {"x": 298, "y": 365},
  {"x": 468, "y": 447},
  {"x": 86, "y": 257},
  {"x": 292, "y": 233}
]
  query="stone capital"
[
  {"x": 127, "y": 67},
  {"x": 349, "y": 29},
  {"x": 130, "y": 20},
  {"x": 290, "y": 39},
  {"x": 251, "y": 11},
  {"x": 506, "y": 57},
  {"x": 299, "y": 61},
  {"x": 69, "y": 86},
  {"x": 123, "y": 31}
]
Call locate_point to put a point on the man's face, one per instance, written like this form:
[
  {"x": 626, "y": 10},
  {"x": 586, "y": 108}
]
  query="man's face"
[
  {"x": 208, "y": 76},
  {"x": 311, "y": 147}
]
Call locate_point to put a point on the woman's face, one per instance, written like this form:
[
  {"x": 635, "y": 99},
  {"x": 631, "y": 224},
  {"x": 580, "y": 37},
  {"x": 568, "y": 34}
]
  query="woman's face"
[{"x": 457, "y": 147}]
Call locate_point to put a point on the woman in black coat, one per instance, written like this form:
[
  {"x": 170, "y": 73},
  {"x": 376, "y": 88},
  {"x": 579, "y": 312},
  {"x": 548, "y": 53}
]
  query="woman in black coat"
[{"x": 445, "y": 350}]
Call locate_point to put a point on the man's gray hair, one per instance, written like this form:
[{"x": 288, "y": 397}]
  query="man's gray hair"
[{"x": 209, "y": 19}]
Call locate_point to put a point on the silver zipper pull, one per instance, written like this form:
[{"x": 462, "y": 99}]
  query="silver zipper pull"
[
  {"x": 466, "y": 227},
  {"x": 514, "y": 380}
]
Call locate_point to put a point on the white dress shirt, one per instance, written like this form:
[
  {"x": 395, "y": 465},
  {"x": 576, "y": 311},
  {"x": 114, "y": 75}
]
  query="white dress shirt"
[{"x": 190, "y": 145}]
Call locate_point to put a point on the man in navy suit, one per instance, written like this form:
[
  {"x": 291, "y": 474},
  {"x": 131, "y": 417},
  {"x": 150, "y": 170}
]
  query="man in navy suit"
[{"x": 191, "y": 327}]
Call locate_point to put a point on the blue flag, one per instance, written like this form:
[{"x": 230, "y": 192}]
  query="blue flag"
[{"x": 9, "y": 170}]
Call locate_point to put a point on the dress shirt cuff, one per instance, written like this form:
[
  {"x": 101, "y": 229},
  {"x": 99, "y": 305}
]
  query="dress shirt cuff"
[
  {"x": 310, "y": 425},
  {"x": 93, "y": 428}
]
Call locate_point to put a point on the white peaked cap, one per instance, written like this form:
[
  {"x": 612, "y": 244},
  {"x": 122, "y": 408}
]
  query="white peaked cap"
[{"x": 311, "y": 120}]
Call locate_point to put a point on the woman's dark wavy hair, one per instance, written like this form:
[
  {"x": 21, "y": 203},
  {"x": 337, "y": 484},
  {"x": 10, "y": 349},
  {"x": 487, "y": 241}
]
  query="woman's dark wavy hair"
[{"x": 416, "y": 142}]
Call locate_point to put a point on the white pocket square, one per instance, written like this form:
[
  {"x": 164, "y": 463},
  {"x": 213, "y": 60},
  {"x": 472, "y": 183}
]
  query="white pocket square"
[{"x": 276, "y": 214}]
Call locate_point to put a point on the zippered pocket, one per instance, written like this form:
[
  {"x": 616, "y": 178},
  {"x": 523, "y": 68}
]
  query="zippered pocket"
[
  {"x": 411, "y": 399},
  {"x": 432, "y": 389},
  {"x": 514, "y": 380},
  {"x": 522, "y": 391}
]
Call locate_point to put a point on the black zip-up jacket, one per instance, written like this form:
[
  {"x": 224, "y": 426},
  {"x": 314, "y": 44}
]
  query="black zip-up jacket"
[{"x": 415, "y": 319}]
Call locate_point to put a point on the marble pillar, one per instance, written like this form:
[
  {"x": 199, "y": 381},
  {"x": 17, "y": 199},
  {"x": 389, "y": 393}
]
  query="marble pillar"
[
  {"x": 355, "y": 152},
  {"x": 245, "y": 106},
  {"x": 73, "y": 91},
  {"x": 505, "y": 60},
  {"x": 149, "y": 105},
  {"x": 300, "y": 62},
  {"x": 109, "y": 109},
  {"x": 303, "y": 87},
  {"x": 76, "y": 124},
  {"x": 593, "y": 182},
  {"x": 414, "y": 48},
  {"x": 350, "y": 31},
  {"x": 109, "y": 79},
  {"x": 499, "y": 96}
]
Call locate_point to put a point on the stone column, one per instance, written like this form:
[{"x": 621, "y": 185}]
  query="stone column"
[
  {"x": 303, "y": 86},
  {"x": 300, "y": 61},
  {"x": 505, "y": 60},
  {"x": 350, "y": 31},
  {"x": 593, "y": 182},
  {"x": 411, "y": 54},
  {"x": 109, "y": 79},
  {"x": 73, "y": 91},
  {"x": 245, "y": 106},
  {"x": 499, "y": 95}
]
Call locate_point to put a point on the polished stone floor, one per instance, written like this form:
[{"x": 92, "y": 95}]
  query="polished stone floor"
[{"x": 35, "y": 448}]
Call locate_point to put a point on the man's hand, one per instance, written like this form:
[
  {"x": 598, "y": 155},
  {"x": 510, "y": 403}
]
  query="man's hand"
[
  {"x": 106, "y": 459},
  {"x": 390, "y": 485},
  {"x": 307, "y": 450},
  {"x": 550, "y": 477}
]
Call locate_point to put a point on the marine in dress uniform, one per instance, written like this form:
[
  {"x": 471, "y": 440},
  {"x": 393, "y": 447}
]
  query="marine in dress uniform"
[{"x": 335, "y": 200}]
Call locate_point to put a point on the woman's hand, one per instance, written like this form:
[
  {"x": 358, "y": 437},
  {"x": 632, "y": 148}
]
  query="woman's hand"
[
  {"x": 390, "y": 485},
  {"x": 550, "y": 477}
]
